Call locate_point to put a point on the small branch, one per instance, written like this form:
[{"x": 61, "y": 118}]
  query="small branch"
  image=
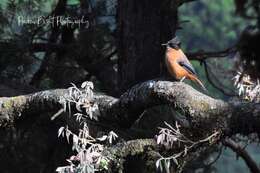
[
  {"x": 213, "y": 83},
  {"x": 242, "y": 153},
  {"x": 34, "y": 47},
  {"x": 170, "y": 135},
  {"x": 52, "y": 47},
  {"x": 202, "y": 55}
]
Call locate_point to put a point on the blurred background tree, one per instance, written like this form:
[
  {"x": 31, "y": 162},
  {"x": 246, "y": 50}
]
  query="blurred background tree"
[{"x": 211, "y": 27}]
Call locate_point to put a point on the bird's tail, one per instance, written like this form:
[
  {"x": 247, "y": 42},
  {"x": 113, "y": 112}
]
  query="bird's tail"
[{"x": 195, "y": 79}]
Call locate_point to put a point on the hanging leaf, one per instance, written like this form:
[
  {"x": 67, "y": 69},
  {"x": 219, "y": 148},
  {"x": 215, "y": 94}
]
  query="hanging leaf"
[
  {"x": 103, "y": 138},
  {"x": 157, "y": 164},
  {"x": 84, "y": 84},
  {"x": 61, "y": 130}
]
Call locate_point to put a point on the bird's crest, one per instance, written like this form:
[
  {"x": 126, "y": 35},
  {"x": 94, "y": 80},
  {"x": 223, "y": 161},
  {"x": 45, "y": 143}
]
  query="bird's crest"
[{"x": 173, "y": 43}]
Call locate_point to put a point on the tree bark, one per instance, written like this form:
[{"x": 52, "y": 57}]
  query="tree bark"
[
  {"x": 206, "y": 112},
  {"x": 143, "y": 27}
]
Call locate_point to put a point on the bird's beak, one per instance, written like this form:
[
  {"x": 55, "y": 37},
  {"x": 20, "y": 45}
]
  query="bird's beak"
[{"x": 164, "y": 44}]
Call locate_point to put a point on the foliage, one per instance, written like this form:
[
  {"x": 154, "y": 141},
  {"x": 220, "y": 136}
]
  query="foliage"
[
  {"x": 210, "y": 26},
  {"x": 171, "y": 136},
  {"x": 247, "y": 88},
  {"x": 88, "y": 157}
]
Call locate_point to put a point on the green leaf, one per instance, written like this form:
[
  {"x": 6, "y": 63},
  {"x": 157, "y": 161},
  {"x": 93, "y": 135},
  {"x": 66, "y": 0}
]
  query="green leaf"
[{"x": 73, "y": 2}]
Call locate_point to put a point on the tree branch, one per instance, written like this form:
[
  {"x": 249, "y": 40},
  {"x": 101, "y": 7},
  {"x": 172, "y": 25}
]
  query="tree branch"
[
  {"x": 252, "y": 165},
  {"x": 146, "y": 149},
  {"x": 202, "y": 55},
  {"x": 214, "y": 84},
  {"x": 124, "y": 111},
  {"x": 34, "y": 47}
]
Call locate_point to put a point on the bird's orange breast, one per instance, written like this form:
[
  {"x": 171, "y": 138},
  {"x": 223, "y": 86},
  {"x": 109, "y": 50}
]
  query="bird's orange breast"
[{"x": 174, "y": 68}]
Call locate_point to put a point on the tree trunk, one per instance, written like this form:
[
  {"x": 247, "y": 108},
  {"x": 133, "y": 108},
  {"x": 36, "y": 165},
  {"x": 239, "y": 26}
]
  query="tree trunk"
[{"x": 142, "y": 27}]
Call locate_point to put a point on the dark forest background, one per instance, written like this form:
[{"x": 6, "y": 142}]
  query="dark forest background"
[{"x": 34, "y": 58}]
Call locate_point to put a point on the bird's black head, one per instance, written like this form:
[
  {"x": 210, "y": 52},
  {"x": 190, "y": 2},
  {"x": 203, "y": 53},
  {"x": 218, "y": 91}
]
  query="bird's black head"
[{"x": 174, "y": 43}]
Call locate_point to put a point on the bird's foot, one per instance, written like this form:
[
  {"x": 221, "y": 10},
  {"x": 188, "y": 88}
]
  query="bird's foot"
[{"x": 182, "y": 79}]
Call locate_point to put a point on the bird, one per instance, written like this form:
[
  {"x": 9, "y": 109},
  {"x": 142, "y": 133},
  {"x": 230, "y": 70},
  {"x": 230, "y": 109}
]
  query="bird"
[{"x": 178, "y": 64}]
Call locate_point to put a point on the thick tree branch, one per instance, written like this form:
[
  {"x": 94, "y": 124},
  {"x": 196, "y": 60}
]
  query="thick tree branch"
[
  {"x": 133, "y": 147},
  {"x": 13, "y": 108},
  {"x": 120, "y": 152},
  {"x": 179, "y": 95},
  {"x": 124, "y": 111}
]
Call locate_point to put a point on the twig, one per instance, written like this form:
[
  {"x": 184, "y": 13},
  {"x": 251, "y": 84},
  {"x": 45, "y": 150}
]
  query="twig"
[
  {"x": 213, "y": 83},
  {"x": 216, "y": 158},
  {"x": 242, "y": 153},
  {"x": 175, "y": 134}
]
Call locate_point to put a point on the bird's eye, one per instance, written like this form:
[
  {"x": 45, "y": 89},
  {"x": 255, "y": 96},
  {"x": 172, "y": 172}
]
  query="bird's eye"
[{"x": 172, "y": 45}]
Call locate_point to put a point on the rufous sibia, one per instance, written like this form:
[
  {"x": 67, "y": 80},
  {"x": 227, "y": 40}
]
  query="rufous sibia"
[{"x": 178, "y": 64}]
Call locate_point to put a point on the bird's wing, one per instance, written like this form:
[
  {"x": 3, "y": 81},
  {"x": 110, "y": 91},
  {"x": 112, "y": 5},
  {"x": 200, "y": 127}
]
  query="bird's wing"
[{"x": 188, "y": 67}]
